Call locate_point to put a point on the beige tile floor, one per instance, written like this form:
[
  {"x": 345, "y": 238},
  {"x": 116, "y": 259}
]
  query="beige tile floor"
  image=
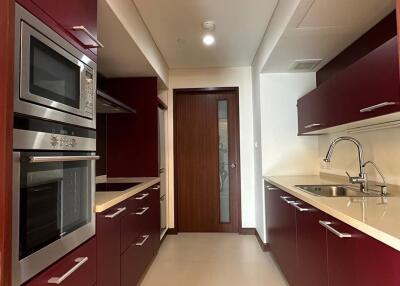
[{"x": 208, "y": 259}]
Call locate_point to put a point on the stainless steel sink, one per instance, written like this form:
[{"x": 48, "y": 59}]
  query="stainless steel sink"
[{"x": 336, "y": 191}]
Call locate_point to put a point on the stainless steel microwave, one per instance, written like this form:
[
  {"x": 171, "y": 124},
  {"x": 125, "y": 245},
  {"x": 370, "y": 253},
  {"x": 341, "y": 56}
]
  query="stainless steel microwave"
[{"x": 53, "y": 79}]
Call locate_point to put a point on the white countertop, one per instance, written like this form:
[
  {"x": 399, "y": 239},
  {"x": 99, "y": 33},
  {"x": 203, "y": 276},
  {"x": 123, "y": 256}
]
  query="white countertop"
[
  {"x": 106, "y": 200},
  {"x": 377, "y": 217}
]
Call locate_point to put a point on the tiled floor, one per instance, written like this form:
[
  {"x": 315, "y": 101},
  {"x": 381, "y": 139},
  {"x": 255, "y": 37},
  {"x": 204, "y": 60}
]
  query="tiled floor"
[{"x": 210, "y": 259}]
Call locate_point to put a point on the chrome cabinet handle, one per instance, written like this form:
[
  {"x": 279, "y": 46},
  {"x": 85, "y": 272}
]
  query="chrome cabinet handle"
[
  {"x": 312, "y": 125},
  {"x": 272, "y": 188},
  {"x": 145, "y": 209},
  {"x": 83, "y": 29},
  {"x": 142, "y": 197},
  {"x": 298, "y": 207},
  {"x": 377, "y": 106},
  {"x": 327, "y": 225},
  {"x": 145, "y": 237},
  {"x": 120, "y": 210},
  {"x": 46, "y": 159},
  {"x": 156, "y": 188},
  {"x": 58, "y": 280},
  {"x": 286, "y": 199}
]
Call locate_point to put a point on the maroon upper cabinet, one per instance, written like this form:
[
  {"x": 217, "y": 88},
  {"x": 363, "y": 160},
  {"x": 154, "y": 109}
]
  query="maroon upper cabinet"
[
  {"x": 74, "y": 20},
  {"x": 367, "y": 88}
]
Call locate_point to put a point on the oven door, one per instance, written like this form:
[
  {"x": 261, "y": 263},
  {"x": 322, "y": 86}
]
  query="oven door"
[
  {"x": 53, "y": 207},
  {"x": 52, "y": 77}
]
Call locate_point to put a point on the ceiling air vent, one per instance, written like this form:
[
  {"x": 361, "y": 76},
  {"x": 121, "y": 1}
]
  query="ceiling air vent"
[{"x": 305, "y": 65}]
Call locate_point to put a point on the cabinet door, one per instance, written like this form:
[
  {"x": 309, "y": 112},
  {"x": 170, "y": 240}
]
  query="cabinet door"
[
  {"x": 372, "y": 80},
  {"x": 155, "y": 218},
  {"x": 282, "y": 231},
  {"x": 80, "y": 264},
  {"x": 73, "y": 13},
  {"x": 360, "y": 259},
  {"x": 311, "y": 246},
  {"x": 108, "y": 230}
]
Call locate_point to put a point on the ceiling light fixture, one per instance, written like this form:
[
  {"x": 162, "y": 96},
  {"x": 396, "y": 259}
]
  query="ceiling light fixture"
[{"x": 208, "y": 38}]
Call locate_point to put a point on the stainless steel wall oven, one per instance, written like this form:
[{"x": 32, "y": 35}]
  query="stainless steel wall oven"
[{"x": 53, "y": 193}]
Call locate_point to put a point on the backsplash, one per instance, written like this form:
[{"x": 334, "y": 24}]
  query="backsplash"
[{"x": 380, "y": 146}]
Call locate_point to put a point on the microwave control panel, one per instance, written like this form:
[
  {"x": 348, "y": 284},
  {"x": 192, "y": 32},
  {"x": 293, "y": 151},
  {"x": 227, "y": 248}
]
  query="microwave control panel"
[{"x": 89, "y": 94}]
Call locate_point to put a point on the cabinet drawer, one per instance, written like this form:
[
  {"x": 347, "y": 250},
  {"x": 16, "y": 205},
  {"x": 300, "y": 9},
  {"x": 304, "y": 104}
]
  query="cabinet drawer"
[
  {"x": 76, "y": 268},
  {"x": 135, "y": 261}
]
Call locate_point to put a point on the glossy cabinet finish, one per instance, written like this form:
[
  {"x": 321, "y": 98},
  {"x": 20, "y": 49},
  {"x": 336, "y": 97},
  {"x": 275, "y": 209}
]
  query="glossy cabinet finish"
[
  {"x": 282, "y": 232},
  {"x": 108, "y": 230},
  {"x": 369, "y": 82},
  {"x": 321, "y": 257},
  {"x": 81, "y": 263},
  {"x": 128, "y": 242},
  {"x": 311, "y": 246},
  {"x": 61, "y": 16}
]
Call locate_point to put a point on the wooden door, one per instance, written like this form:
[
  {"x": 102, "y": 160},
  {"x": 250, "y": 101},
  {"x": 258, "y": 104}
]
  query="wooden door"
[{"x": 206, "y": 142}]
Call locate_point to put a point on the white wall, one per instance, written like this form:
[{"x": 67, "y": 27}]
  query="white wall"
[
  {"x": 380, "y": 146},
  {"x": 220, "y": 77},
  {"x": 283, "y": 152}
]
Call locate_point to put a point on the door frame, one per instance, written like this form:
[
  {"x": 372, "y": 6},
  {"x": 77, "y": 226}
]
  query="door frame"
[{"x": 208, "y": 90}]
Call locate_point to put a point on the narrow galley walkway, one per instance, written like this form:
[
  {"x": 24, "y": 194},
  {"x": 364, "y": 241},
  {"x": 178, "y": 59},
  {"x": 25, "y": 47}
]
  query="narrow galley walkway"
[{"x": 211, "y": 259}]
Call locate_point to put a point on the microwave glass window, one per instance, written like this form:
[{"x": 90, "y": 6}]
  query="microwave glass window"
[
  {"x": 52, "y": 76},
  {"x": 55, "y": 199}
]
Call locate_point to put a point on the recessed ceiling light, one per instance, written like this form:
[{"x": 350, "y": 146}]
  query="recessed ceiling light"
[{"x": 208, "y": 40}]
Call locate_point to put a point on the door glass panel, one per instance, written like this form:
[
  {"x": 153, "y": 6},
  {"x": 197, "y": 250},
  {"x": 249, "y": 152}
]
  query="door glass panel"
[
  {"x": 223, "y": 161},
  {"x": 55, "y": 199},
  {"x": 52, "y": 76}
]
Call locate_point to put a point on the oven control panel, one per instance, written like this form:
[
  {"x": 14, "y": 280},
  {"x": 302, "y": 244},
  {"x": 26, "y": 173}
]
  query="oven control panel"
[
  {"x": 89, "y": 94},
  {"x": 63, "y": 142}
]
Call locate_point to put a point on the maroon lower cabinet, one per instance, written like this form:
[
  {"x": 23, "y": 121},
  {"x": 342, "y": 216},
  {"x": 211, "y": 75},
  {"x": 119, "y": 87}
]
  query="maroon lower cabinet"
[
  {"x": 76, "y": 268},
  {"x": 311, "y": 246},
  {"x": 358, "y": 259},
  {"x": 108, "y": 229},
  {"x": 282, "y": 231}
]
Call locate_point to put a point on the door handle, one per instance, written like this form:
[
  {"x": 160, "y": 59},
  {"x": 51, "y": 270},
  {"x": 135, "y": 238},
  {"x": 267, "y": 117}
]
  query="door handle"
[
  {"x": 145, "y": 237},
  {"x": 233, "y": 165},
  {"x": 327, "y": 225},
  {"x": 145, "y": 209},
  {"x": 286, "y": 199},
  {"x": 142, "y": 196},
  {"x": 90, "y": 35},
  {"x": 377, "y": 106},
  {"x": 271, "y": 188},
  {"x": 58, "y": 280},
  {"x": 48, "y": 159},
  {"x": 298, "y": 207},
  {"x": 312, "y": 125}
]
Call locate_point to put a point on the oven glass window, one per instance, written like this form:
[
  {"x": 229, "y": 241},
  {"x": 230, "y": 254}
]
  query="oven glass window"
[
  {"x": 55, "y": 199},
  {"x": 52, "y": 76}
]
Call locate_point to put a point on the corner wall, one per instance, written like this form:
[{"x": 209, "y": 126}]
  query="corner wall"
[{"x": 219, "y": 77}]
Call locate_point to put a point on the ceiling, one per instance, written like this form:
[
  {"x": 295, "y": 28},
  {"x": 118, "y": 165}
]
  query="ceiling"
[
  {"x": 176, "y": 28},
  {"x": 321, "y": 29}
]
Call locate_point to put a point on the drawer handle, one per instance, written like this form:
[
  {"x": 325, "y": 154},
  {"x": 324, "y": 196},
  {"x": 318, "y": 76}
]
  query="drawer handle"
[
  {"x": 145, "y": 209},
  {"x": 142, "y": 196},
  {"x": 312, "y": 125},
  {"x": 272, "y": 189},
  {"x": 377, "y": 106},
  {"x": 286, "y": 199},
  {"x": 120, "y": 210},
  {"x": 58, "y": 280},
  {"x": 156, "y": 188},
  {"x": 298, "y": 207},
  {"x": 327, "y": 225},
  {"x": 90, "y": 35},
  {"x": 145, "y": 237}
]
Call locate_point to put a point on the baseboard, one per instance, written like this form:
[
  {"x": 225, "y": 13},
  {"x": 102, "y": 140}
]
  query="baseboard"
[
  {"x": 172, "y": 231},
  {"x": 264, "y": 246},
  {"x": 247, "y": 231}
]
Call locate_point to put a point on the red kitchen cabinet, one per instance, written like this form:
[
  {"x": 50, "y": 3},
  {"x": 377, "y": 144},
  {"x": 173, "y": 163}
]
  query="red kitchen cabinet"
[
  {"x": 368, "y": 88},
  {"x": 311, "y": 246},
  {"x": 82, "y": 263},
  {"x": 282, "y": 231},
  {"x": 62, "y": 16},
  {"x": 108, "y": 229}
]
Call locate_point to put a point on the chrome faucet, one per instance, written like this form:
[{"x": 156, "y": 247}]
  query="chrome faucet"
[
  {"x": 362, "y": 177},
  {"x": 383, "y": 186}
]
